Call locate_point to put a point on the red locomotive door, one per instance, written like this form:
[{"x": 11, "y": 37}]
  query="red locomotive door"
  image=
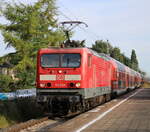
[{"x": 94, "y": 76}]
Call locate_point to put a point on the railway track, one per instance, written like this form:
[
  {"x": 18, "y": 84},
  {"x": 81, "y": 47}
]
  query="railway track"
[{"x": 35, "y": 125}]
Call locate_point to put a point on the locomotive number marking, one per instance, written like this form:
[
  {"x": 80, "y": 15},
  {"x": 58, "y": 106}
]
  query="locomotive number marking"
[{"x": 60, "y": 85}]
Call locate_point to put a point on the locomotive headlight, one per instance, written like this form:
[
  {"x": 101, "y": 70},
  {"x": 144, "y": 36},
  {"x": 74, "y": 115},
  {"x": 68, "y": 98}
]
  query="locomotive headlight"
[
  {"x": 42, "y": 85},
  {"x": 78, "y": 85},
  {"x": 60, "y": 71}
]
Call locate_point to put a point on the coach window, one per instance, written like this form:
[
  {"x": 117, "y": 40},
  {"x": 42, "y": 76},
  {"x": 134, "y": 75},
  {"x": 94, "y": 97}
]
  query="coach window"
[
  {"x": 120, "y": 75},
  {"x": 89, "y": 60}
]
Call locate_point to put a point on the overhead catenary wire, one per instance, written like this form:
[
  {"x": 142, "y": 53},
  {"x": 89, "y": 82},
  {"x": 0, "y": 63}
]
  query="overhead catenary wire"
[{"x": 92, "y": 35}]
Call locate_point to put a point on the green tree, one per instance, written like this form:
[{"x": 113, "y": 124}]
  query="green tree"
[
  {"x": 143, "y": 73},
  {"x": 5, "y": 82},
  {"x": 102, "y": 47},
  {"x": 116, "y": 54},
  {"x": 30, "y": 27},
  {"x": 127, "y": 61},
  {"x": 134, "y": 61}
]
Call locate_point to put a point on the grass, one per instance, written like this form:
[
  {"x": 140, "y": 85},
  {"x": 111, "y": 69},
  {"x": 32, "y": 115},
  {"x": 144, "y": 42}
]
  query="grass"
[
  {"x": 3, "y": 122},
  {"x": 146, "y": 85}
]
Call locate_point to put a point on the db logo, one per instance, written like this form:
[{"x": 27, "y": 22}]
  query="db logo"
[{"x": 60, "y": 77}]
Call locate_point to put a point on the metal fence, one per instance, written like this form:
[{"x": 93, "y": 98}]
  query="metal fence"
[{"x": 18, "y": 94}]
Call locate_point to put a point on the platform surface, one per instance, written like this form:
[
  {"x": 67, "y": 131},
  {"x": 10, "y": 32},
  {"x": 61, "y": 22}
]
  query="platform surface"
[{"x": 132, "y": 115}]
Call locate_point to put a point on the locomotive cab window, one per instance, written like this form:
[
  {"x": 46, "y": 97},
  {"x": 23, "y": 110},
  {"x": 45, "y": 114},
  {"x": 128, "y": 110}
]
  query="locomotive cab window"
[
  {"x": 50, "y": 60},
  {"x": 60, "y": 60},
  {"x": 70, "y": 60}
]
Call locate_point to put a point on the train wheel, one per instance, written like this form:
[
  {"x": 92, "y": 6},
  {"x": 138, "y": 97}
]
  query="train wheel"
[
  {"x": 113, "y": 95},
  {"x": 128, "y": 90},
  {"x": 100, "y": 99},
  {"x": 103, "y": 99},
  {"x": 108, "y": 97}
]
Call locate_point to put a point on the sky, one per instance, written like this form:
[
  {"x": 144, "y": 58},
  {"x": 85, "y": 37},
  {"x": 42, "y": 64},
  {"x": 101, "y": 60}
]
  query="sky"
[{"x": 125, "y": 23}]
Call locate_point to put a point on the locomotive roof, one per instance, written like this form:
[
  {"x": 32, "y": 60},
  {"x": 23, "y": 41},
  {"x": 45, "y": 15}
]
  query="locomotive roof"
[
  {"x": 120, "y": 66},
  {"x": 101, "y": 55},
  {"x": 63, "y": 48}
]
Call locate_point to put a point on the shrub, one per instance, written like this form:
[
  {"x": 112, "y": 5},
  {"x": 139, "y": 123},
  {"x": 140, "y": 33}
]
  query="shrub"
[{"x": 5, "y": 81}]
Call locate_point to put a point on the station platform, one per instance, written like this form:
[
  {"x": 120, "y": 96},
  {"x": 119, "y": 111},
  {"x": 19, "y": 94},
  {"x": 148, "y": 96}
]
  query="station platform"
[
  {"x": 131, "y": 116},
  {"x": 128, "y": 113}
]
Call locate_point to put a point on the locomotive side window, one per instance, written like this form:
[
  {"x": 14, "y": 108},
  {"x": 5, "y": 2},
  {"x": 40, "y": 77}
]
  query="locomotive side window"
[{"x": 60, "y": 60}]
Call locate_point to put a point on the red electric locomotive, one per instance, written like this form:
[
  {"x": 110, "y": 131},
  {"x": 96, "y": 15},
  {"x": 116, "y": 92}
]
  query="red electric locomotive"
[{"x": 76, "y": 79}]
